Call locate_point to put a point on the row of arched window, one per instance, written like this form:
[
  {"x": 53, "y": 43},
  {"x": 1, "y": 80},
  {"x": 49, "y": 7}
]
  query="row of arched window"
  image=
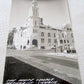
[
  {"x": 49, "y": 35},
  {"x": 65, "y": 41},
  {"x": 64, "y": 35},
  {"x": 49, "y": 40}
]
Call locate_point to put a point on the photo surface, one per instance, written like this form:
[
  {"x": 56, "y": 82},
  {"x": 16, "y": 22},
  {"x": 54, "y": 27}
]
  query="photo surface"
[{"x": 40, "y": 45}]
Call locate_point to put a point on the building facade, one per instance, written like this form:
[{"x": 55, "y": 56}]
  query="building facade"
[{"x": 35, "y": 34}]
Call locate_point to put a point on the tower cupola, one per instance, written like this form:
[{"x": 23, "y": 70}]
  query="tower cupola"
[{"x": 34, "y": 3}]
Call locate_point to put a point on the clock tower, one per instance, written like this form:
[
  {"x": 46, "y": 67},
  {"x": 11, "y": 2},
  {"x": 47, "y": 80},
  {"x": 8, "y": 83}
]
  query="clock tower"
[{"x": 33, "y": 17}]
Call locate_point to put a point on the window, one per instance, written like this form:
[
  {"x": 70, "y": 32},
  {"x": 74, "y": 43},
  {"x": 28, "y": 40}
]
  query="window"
[
  {"x": 42, "y": 27},
  {"x": 67, "y": 41},
  {"x": 42, "y": 33},
  {"x": 35, "y": 23},
  {"x": 54, "y": 45},
  {"x": 54, "y": 35},
  {"x": 42, "y": 47},
  {"x": 64, "y": 41},
  {"x": 55, "y": 40},
  {"x": 27, "y": 42},
  {"x": 62, "y": 35},
  {"x": 24, "y": 47},
  {"x": 61, "y": 41},
  {"x": 71, "y": 35},
  {"x": 42, "y": 40},
  {"x": 49, "y": 35},
  {"x": 49, "y": 40}
]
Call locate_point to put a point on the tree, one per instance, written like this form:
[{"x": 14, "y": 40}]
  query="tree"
[{"x": 11, "y": 36}]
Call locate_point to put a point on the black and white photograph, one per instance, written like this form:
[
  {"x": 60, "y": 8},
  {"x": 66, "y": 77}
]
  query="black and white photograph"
[{"x": 40, "y": 45}]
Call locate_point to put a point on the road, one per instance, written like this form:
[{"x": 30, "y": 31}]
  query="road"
[
  {"x": 59, "y": 66},
  {"x": 16, "y": 69},
  {"x": 64, "y": 62}
]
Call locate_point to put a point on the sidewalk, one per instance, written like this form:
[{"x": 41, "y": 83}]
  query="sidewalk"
[{"x": 73, "y": 57}]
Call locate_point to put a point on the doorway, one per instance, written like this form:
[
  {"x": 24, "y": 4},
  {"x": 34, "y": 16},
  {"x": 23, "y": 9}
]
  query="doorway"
[{"x": 35, "y": 42}]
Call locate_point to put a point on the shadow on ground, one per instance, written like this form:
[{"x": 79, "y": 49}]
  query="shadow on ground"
[{"x": 16, "y": 69}]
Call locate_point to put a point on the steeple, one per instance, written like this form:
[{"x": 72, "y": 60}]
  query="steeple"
[
  {"x": 34, "y": 3},
  {"x": 33, "y": 18},
  {"x": 34, "y": 9}
]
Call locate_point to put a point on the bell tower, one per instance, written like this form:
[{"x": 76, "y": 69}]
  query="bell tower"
[
  {"x": 33, "y": 17},
  {"x": 33, "y": 11},
  {"x": 35, "y": 8}
]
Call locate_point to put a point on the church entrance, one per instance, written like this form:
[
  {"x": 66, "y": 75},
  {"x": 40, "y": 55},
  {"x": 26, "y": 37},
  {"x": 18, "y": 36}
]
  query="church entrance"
[{"x": 35, "y": 42}]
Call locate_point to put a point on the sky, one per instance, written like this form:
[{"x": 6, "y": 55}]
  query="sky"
[{"x": 53, "y": 12}]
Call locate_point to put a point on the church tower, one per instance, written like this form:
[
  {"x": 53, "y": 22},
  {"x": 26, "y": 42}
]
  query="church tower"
[
  {"x": 34, "y": 9},
  {"x": 33, "y": 17}
]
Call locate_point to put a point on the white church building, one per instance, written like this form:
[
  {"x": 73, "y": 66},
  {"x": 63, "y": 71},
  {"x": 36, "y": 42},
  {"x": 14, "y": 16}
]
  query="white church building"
[{"x": 37, "y": 35}]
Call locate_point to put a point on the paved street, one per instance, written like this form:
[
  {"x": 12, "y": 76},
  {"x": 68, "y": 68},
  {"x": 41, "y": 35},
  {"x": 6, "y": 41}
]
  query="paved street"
[
  {"x": 18, "y": 70},
  {"x": 64, "y": 62},
  {"x": 59, "y": 66}
]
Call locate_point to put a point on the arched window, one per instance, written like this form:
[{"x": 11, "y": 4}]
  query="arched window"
[
  {"x": 42, "y": 40},
  {"x": 27, "y": 42},
  {"x": 64, "y": 41},
  {"x": 54, "y": 35},
  {"x": 62, "y": 35},
  {"x": 49, "y": 35},
  {"x": 61, "y": 41},
  {"x": 21, "y": 47},
  {"x": 72, "y": 35},
  {"x": 55, "y": 40},
  {"x": 49, "y": 40},
  {"x": 67, "y": 41},
  {"x": 42, "y": 33}
]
